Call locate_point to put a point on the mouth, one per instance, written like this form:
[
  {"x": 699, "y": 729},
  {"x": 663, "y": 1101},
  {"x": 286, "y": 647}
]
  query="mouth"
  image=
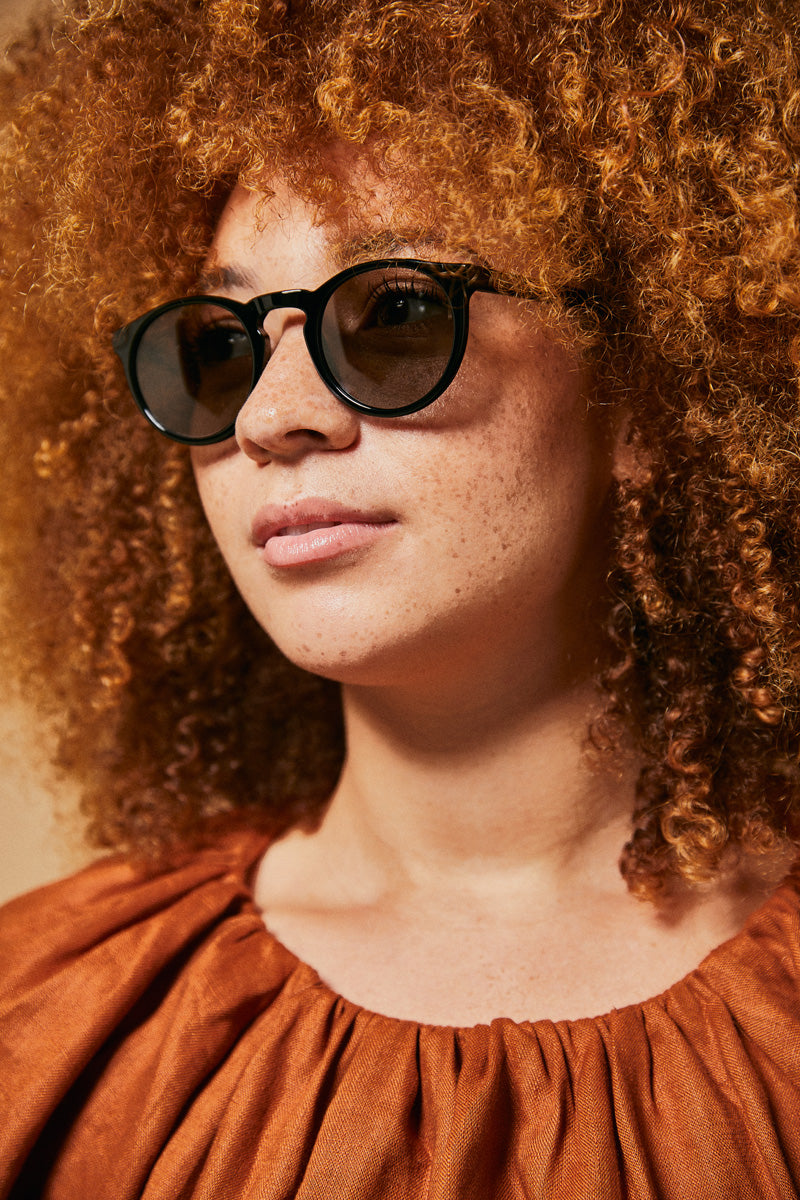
[
  {"x": 315, "y": 531},
  {"x": 299, "y": 530}
]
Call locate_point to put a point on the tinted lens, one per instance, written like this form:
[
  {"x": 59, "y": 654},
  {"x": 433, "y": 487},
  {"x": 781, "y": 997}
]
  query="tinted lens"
[
  {"x": 387, "y": 335},
  {"x": 194, "y": 368}
]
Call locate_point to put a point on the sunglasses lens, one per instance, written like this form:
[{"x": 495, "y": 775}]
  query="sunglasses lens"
[
  {"x": 194, "y": 369},
  {"x": 387, "y": 336}
]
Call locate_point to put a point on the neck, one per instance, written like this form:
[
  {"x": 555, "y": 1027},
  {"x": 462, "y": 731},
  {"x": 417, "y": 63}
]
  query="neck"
[{"x": 438, "y": 793}]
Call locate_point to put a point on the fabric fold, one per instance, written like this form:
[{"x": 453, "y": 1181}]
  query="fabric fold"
[{"x": 158, "y": 1042}]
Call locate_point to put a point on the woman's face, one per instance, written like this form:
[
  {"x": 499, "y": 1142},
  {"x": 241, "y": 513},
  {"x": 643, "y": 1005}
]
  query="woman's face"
[{"x": 468, "y": 537}]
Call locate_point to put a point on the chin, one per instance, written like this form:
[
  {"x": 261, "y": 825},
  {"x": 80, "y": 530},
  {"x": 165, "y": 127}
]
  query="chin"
[{"x": 365, "y": 668}]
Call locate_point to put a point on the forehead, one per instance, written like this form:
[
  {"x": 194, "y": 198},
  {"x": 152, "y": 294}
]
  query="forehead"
[
  {"x": 280, "y": 235},
  {"x": 352, "y": 216},
  {"x": 350, "y": 206}
]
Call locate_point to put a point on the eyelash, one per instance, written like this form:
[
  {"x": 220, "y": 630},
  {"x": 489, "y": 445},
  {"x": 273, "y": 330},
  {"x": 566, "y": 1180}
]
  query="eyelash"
[{"x": 404, "y": 287}]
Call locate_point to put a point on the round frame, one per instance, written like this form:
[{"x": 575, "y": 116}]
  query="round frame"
[{"x": 458, "y": 280}]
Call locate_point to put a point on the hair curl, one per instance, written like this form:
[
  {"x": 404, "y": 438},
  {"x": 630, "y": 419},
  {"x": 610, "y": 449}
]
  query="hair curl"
[{"x": 644, "y": 152}]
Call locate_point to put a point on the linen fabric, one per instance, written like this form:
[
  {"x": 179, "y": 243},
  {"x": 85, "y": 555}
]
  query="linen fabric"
[{"x": 156, "y": 1041}]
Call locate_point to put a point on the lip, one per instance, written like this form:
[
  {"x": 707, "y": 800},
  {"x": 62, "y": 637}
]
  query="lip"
[{"x": 315, "y": 530}]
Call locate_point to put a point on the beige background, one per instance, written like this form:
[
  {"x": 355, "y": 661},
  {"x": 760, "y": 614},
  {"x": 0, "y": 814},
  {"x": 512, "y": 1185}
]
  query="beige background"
[
  {"x": 39, "y": 825},
  {"x": 13, "y": 14},
  {"x": 36, "y": 845}
]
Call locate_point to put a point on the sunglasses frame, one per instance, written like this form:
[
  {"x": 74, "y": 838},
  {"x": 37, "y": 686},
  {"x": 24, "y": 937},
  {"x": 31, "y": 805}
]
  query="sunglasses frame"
[{"x": 458, "y": 280}]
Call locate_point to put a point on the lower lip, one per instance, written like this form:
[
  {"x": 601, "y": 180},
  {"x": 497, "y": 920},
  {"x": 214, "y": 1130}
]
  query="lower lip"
[{"x": 320, "y": 545}]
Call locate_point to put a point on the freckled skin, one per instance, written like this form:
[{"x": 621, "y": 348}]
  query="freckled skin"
[{"x": 498, "y": 489}]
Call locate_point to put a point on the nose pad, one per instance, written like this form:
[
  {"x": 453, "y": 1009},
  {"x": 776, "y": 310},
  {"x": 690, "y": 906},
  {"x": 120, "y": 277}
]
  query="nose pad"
[{"x": 290, "y": 411}]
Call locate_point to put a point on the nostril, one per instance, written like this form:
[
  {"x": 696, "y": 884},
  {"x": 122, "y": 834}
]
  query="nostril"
[{"x": 315, "y": 435}]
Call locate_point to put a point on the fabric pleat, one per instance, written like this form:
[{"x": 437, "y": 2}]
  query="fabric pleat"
[{"x": 156, "y": 1041}]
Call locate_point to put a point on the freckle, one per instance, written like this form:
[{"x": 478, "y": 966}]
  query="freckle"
[
  {"x": 504, "y": 545},
  {"x": 458, "y": 591}
]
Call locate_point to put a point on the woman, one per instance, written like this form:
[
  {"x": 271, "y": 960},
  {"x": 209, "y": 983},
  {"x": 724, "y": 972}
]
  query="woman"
[{"x": 473, "y": 329}]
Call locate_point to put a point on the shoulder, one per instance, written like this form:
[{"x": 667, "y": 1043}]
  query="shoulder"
[
  {"x": 96, "y": 978},
  {"x": 95, "y": 941},
  {"x": 106, "y": 908}
]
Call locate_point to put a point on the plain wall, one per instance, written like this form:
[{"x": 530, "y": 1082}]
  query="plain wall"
[{"x": 13, "y": 14}]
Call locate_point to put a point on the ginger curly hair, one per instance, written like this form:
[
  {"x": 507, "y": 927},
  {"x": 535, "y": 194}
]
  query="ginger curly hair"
[{"x": 642, "y": 153}]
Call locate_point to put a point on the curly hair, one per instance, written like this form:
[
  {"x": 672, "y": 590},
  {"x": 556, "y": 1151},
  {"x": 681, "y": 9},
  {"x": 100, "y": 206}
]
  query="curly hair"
[{"x": 644, "y": 153}]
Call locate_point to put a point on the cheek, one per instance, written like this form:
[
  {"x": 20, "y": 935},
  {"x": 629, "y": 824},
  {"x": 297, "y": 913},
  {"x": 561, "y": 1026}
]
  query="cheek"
[
  {"x": 511, "y": 520},
  {"x": 214, "y": 479},
  {"x": 515, "y": 439}
]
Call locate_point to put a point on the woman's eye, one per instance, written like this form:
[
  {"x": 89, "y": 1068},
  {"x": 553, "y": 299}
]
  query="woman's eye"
[
  {"x": 214, "y": 356},
  {"x": 213, "y": 344},
  {"x": 397, "y": 309},
  {"x": 404, "y": 309},
  {"x": 395, "y": 306}
]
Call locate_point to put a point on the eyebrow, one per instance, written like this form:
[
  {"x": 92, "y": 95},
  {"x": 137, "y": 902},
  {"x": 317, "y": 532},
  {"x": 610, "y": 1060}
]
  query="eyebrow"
[
  {"x": 378, "y": 244},
  {"x": 222, "y": 275},
  {"x": 345, "y": 253},
  {"x": 387, "y": 243}
]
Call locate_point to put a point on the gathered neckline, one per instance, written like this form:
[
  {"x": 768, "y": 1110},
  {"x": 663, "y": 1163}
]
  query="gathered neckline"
[
  {"x": 307, "y": 977},
  {"x": 199, "y": 1055}
]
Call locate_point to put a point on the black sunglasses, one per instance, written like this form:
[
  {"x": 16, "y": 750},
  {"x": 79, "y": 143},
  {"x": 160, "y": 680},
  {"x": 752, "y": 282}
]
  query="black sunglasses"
[{"x": 387, "y": 337}]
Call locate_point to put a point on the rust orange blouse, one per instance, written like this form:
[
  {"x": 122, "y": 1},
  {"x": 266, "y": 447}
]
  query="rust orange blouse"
[{"x": 157, "y": 1042}]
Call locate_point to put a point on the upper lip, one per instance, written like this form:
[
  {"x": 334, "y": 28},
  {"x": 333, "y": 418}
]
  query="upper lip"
[{"x": 272, "y": 518}]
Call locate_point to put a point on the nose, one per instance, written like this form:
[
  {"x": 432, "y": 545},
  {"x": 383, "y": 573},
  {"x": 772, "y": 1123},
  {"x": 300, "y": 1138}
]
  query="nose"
[{"x": 290, "y": 411}]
